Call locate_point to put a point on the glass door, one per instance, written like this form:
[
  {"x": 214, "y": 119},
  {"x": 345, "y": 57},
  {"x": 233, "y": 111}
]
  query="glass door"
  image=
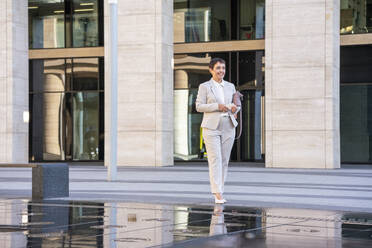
[
  {"x": 252, "y": 122},
  {"x": 67, "y": 110},
  {"x": 85, "y": 109}
]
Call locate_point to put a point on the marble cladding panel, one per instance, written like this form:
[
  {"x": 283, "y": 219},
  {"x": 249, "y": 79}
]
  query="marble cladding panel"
[
  {"x": 298, "y": 82},
  {"x": 138, "y": 29},
  {"x": 299, "y": 51},
  {"x": 299, "y": 149},
  {"x": 299, "y": 114},
  {"x": 293, "y": 20},
  {"x": 137, "y": 148},
  {"x": 136, "y": 117},
  {"x": 133, "y": 88}
]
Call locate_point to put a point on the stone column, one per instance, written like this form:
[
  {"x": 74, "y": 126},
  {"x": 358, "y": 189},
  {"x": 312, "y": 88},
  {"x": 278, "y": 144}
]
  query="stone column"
[
  {"x": 302, "y": 83},
  {"x": 145, "y": 83},
  {"x": 13, "y": 81}
]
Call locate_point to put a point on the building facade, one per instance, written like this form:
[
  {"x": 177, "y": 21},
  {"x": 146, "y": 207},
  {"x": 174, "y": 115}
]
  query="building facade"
[{"x": 304, "y": 68}]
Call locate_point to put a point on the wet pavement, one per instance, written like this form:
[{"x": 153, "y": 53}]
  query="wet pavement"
[{"x": 26, "y": 223}]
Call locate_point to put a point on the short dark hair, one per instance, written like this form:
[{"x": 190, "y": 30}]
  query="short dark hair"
[{"x": 215, "y": 61}]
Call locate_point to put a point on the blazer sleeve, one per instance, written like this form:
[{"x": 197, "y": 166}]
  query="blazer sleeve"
[{"x": 201, "y": 101}]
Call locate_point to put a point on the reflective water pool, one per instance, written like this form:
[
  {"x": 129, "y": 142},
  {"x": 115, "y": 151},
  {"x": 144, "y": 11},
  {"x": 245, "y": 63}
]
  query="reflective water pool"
[{"x": 24, "y": 223}]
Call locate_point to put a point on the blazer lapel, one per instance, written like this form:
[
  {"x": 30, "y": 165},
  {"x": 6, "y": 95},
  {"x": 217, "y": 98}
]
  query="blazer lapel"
[
  {"x": 214, "y": 90},
  {"x": 226, "y": 93}
]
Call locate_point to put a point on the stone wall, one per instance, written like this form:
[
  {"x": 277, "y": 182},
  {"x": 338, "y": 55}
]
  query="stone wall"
[
  {"x": 302, "y": 83},
  {"x": 13, "y": 81}
]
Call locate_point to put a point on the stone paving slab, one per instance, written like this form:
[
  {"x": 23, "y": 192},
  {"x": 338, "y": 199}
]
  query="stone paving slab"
[{"x": 341, "y": 189}]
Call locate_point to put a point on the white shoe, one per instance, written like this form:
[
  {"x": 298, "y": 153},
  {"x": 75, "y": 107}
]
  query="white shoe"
[
  {"x": 224, "y": 200},
  {"x": 216, "y": 201}
]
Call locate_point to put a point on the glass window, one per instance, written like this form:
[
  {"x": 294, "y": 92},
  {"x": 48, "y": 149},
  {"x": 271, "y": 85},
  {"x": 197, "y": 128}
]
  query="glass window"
[
  {"x": 218, "y": 20},
  {"x": 356, "y": 123},
  {"x": 189, "y": 72},
  {"x": 85, "y": 74},
  {"x": 201, "y": 20},
  {"x": 252, "y": 19},
  {"x": 246, "y": 71},
  {"x": 85, "y": 107},
  {"x": 251, "y": 80},
  {"x": 47, "y": 75},
  {"x": 68, "y": 124},
  {"x": 85, "y": 23},
  {"x": 65, "y": 23},
  {"x": 46, "y": 134},
  {"x": 46, "y": 23},
  {"x": 356, "y": 104},
  {"x": 356, "y": 16}
]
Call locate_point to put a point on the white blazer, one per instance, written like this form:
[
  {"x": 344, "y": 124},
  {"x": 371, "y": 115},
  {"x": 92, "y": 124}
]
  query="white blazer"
[{"x": 207, "y": 103}]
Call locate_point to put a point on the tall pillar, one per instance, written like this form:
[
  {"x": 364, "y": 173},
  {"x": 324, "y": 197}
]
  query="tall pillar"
[
  {"x": 302, "y": 48},
  {"x": 13, "y": 81},
  {"x": 145, "y": 83}
]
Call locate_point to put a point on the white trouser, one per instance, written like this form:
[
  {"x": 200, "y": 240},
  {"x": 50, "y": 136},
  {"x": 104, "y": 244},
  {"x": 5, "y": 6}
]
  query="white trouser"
[{"x": 219, "y": 143}]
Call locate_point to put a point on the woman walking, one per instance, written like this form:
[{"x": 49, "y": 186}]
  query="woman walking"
[{"x": 214, "y": 100}]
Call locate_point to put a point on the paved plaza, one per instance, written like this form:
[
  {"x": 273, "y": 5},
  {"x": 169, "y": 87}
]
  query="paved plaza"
[
  {"x": 340, "y": 189},
  {"x": 172, "y": 207}
]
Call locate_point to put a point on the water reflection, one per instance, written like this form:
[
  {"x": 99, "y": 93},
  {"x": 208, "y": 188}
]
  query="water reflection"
[
  {"x": 218, "y": 221},
  {"x": 92, "y": 224}
]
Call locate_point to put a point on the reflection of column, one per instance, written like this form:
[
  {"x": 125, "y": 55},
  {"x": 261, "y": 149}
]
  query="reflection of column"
[
  {"x": 314, "y": 227},
  {"x": 78, "y": 126},
  {"x": 181, "y": 115},
  {"x": 146, "y": 225},
  {"x": 113, "y": 222},
  {"x": 179, "y": 26},
  {"x": 50, "y": 29},
  {"x": 52, "y": 125},
  {"x": 206, "y": 25},
  {"x": 10, "y": 214},
  {"x": 180, "y": 123}
]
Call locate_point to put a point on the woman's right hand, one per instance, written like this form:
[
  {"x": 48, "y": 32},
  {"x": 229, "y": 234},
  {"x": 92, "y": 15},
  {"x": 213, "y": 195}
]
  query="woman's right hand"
[{"x": 222, "y": 108}]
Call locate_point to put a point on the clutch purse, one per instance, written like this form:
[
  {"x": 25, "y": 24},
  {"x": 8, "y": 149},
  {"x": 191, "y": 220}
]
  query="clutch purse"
[{"x": 237, "y": 100}]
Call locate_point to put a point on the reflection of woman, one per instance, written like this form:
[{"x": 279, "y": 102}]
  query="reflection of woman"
[
  {"x": 215, "y": 101},
  {"x": 217, "y": 221}
]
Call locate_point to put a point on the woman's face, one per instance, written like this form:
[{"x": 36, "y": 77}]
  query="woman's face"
[{"x": 218, "y": 71}]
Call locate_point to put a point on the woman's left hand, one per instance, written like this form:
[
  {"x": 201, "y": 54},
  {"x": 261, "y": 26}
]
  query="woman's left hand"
[{"x": 233, "y": 109}]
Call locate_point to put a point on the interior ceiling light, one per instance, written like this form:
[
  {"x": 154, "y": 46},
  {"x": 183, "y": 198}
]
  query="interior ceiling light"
[
  {"x": 33, "y": 7},
  {"x": 59, "y": 11},
  {"x": 86, "y": 4},
  {"x": 82, "y": 10}
]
